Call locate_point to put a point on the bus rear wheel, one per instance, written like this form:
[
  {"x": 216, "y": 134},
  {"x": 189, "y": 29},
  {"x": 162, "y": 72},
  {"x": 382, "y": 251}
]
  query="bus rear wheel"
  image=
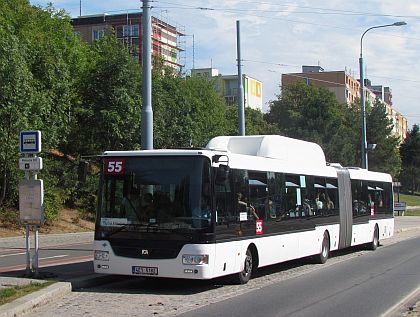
[
  {"x": 322, "y": 257},
  {"x": 245, "y": 275},
  {"x": 375, "y": 241}
]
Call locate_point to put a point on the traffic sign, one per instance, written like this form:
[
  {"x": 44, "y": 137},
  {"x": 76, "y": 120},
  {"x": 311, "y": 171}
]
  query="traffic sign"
[
  {"x": 30, "y": 163},
  {"x": 400, "y": 206},
  {"x": 30, "y": 142}
]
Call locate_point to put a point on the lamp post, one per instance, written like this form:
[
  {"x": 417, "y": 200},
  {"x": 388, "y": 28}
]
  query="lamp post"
[{"x": 362, "y": 93}]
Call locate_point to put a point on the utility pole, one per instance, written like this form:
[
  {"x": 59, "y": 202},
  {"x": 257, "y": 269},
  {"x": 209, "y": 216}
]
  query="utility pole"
[
  {"x": 146, "y": 141},
  {"x": 241, "y": 108}
]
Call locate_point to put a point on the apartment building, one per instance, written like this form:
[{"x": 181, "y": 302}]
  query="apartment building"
[
  {"x": 400, "y": 123},
  {"x": 347, "y": 90},
  {"x": 341, "y": 83},
  {"x": 128, "y": 30},
  {"x": 227, "y": 86}
]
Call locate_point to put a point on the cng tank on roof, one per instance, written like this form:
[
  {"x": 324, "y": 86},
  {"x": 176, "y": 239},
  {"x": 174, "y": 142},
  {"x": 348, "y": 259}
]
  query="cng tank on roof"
[{"x": 272, "y": 146}]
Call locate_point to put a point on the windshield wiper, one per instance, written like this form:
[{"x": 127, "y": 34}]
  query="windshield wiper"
[{"x": 137, "y": 225}]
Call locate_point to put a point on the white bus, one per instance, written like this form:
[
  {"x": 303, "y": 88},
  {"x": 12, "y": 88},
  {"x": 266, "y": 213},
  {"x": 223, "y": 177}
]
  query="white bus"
[{"x": 241, "y": 203}]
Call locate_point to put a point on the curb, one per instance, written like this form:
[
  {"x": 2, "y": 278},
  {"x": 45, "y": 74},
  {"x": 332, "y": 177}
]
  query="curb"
[
  {"x": 28, "y": 302},
  {"x": 402, "y": 308}
]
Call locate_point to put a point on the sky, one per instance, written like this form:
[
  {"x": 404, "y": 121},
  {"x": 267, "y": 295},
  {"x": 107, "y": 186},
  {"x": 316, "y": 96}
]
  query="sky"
[{"x": 280, "y": 36}]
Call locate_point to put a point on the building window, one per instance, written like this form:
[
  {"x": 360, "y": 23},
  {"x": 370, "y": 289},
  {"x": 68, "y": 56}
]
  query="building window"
[
  {"x": 124, "y": 31},
  {"x": 98, "y": 34},
  {"x": 131, "y": 30}
]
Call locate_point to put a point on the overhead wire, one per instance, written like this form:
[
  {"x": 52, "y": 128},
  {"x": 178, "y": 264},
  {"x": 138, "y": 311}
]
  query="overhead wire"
[
  {"x": 246, "y": 12},
  {"x": 326, "y": 10}
]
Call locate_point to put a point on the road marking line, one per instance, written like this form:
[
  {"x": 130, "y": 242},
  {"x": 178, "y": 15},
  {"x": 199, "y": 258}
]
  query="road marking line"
[
  {"x": 12, "y": 254},
  {"x": 72, "y": 260},
  {"x": 53, "y": 257}
]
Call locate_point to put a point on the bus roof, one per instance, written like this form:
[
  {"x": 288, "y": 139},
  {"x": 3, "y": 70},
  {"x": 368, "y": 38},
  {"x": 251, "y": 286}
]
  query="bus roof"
[
  {"x": 278, "y": 147},
  {"x": 261, "y": 152},
  {"x": 157, "y": 152}
]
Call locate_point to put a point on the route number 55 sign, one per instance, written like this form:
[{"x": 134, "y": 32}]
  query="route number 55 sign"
[{"x": 114, "y": 166}]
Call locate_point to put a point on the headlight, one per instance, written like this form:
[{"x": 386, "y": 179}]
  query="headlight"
[
  {"x": 191, "y": 259},
  {"x": 101, "y": 255}
]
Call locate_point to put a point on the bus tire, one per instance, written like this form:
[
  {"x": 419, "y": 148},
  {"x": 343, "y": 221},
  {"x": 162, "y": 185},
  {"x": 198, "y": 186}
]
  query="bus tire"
[
  {"x": 322, "y": 257},
  {"x": 375, "y": 240},
  {"x": 245, "y": 275}
]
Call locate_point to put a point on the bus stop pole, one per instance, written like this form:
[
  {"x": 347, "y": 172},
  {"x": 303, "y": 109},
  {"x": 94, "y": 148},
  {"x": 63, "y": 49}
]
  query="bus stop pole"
[
  {"x": 28, "y": 252},
  {"x": 36, "y": 257},
  {"x": 27, "y": 238}
]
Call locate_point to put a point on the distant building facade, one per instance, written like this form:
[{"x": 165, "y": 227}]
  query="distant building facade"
[
  {"x": 347, "y": 90},
  {"x": 341, "y": 83},
  {"x": 227, "y": 86},
  {"x": 128, "y": 30}
]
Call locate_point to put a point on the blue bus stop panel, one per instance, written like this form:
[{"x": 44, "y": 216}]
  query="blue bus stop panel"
[{"x": 30, "y": 142}]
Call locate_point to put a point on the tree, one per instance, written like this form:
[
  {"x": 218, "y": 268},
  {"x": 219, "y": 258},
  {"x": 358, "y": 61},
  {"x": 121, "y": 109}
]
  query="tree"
[
  {"x": 385, "y": 157},
  {"x": 39, "y": 63},
  {"x": 313, "y": 114},
  {"x": 187, "y": 111},
  {"x": 109, "y": 110},
  {"x": 410, "y": 157},
  {"x": 255, "y": 124},
  {"x": 15, "y": 105}
]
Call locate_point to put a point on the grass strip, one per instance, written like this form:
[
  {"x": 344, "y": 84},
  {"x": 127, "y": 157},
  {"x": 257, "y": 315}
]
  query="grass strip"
[
  {"x": 411, "y": 200},
  {"x": 9, "y": 294},
  {"x": 413, "y": 212}
]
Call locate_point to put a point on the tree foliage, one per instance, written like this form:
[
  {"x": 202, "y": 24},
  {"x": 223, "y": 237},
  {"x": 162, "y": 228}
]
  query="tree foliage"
[
  {"x": 87, "y": 98},
  {"x": 110, "y": 99},
  {"x": 187, "y": 111},
  {"x": 15, "y": 106},
  {"x": 38, "y": 55},
  {"x": 255, "y": 124},
  {"x": 385, "y": 157},
  {"x": 410, "y": 156},
  {"x": 313, "y": 114}
]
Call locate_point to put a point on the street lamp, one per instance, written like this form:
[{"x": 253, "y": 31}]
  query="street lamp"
[{"x": 362, "y": 93}]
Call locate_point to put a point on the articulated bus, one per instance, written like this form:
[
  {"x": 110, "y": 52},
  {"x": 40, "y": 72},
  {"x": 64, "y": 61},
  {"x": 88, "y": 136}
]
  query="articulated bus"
[{"x": 241, "y": 203}]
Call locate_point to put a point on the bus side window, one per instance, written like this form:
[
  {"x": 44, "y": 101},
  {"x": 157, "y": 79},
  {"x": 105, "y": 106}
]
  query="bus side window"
[
  {"x": 258, "y": 194},
  {"x": 223, "y": 203},
  {"x": 331, "y": 189},
  {"x": 293, "y": 195}
]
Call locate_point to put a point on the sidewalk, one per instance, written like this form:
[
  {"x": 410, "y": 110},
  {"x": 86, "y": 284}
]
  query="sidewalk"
[
  {"x": 406, "y": 223},
  {"x": 83, "y": 277},
  {"x": 64, "y": 286}
]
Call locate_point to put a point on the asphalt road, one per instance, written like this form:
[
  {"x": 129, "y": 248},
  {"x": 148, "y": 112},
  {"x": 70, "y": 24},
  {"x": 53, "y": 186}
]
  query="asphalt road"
[
  {"x": 367, "y": 285},
  {"x": 348, "y": 282},
  {"x": 52, "y": 259}
]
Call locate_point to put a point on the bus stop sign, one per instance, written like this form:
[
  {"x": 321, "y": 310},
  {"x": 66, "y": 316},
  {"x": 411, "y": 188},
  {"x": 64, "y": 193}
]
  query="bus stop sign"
[{"x": 30, "y": 142}]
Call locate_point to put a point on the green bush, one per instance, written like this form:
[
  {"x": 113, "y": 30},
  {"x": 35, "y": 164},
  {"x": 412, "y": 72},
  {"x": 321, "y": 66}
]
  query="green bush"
[
  {"x": 9, "y": 217},
  {"x": 52, "y": 204}
]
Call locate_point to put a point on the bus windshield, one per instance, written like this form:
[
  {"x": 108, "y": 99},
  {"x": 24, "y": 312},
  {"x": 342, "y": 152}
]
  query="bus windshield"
[{"x": 155, "y": 194}]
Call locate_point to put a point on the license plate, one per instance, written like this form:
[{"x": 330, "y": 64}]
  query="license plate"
[{"x": 144, "y": 270}]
